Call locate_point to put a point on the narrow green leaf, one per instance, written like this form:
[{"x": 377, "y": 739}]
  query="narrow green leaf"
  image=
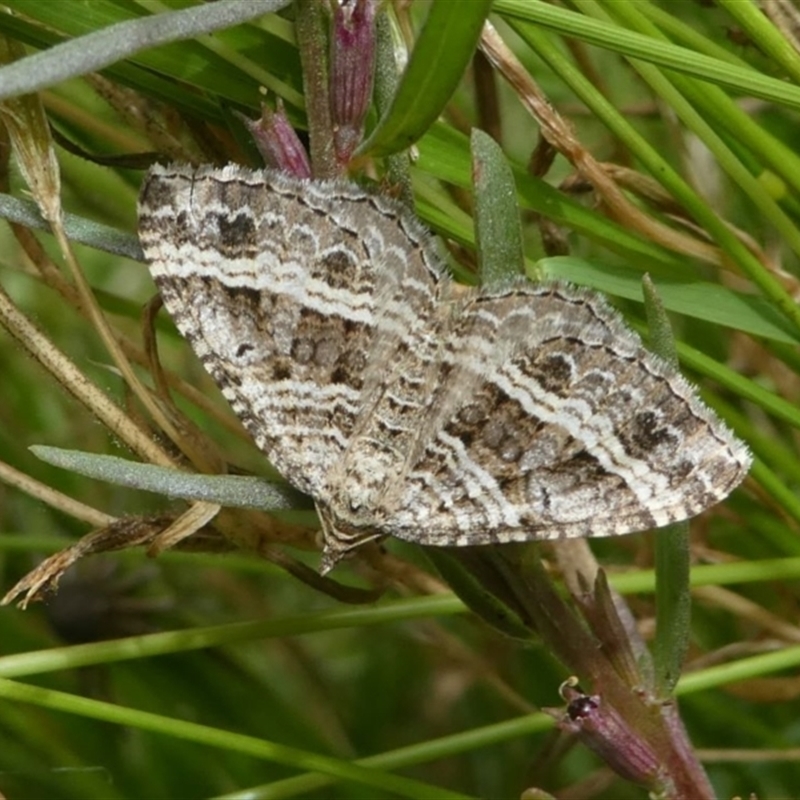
[
  {"x": 411, "y": 755},
  {"x": 673, "y": 599},
  {"x": 654, "y": 162},
  {"x": 498, "y": 232},
  {"x": 702, "y": 300},
  {"x": 461, "y": 578},
  {"x": 444, "y": 154},
  {"x": 662, "y": 341},
  {"x": 759, "y": 666},
  {"x": 764, "y": 32},
  {"x": 620, "y": 40},
  {"x": 217, "y": 737},
  {"x": 79, "y": 229},
  {"x": 236, "y": 491},
  {"x": 105, "y": 46},
  {"x": 744, "y": 387},
  {"x": 125, "y": 72},
  {"x": 442, "y": 51},
  {"x": 54, "y": 659},
  {"x": 387, "y": 79}
]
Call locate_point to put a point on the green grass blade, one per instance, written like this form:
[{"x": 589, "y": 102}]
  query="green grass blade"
[
  {"x": 618, "y": 39},
  {"x": 671, "y": 545},
  {"x": 226, "y": 740},
  {"x": 114, "y": 43},
  {"x": 498, "y": 233},
  {"x": 702, "y": 300},
  {"x": 441, "y": 54}
]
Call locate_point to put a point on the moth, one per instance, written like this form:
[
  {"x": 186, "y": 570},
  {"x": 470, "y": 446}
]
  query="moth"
[{"x": 404, "y": 408}]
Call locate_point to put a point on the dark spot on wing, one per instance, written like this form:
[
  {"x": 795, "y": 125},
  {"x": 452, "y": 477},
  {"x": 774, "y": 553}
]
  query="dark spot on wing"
[
  {"x": 236, "y": 234},
  {"x": 281, "y": 371},
  {"x": 644, "y": 433},
  {"x": 337, "y": 268}
]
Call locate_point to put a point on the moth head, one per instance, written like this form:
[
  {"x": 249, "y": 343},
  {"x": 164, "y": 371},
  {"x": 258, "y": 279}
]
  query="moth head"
[{"x": 339, "y": 539}]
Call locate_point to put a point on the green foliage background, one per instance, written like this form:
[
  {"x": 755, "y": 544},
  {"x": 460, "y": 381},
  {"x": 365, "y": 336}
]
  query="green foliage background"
[{"x": 440, "y": 704}]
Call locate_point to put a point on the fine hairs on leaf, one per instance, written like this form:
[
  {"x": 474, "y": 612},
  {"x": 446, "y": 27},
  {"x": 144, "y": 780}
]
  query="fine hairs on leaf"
[{"x": 237, "y": 491}]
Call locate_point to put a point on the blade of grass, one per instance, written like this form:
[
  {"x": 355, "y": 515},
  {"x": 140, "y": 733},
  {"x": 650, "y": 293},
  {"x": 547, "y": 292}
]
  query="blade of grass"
[
  {"x": 673, "y": 600},
  {"x": 740, "y": 126},
  {"x": 707, "y": 110},
  {"x": 617, "y": 39},
  {"x": 699, "y": 299},
  {"x": 59, "y": 658},
  {"x": 215, "y": 737},
  {"x": 419, "y": 753},
  {"x": 787, "y": 658},
  {"x": 442, "y": 51},
  {"x": 105, "y": 46},
  {"x": 771, "y": 41},
  {"x": 236, "y": 491},
  {"x": 79, "y": 229},
  {"x": 498, "y": 234},
  {"x": 444, "y": 154},
  {"x": 662, "y": 171}
]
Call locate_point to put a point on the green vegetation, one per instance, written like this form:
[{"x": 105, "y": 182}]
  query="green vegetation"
[{"x": 634, "y": 138}]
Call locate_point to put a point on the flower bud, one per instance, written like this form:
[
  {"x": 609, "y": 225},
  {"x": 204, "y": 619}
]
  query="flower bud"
[
  {"x": 601, "y": 728},
  {"x": 352, "y": 60},
  {"x": 278, "y": 143}
]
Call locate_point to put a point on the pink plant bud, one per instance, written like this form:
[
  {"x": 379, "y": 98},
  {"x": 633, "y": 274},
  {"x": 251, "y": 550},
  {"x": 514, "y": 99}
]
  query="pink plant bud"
[
  {"x": 605, "y": 732},
  {"x": 352, "y": 71},
  {"x": 278, "y": 143}
]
